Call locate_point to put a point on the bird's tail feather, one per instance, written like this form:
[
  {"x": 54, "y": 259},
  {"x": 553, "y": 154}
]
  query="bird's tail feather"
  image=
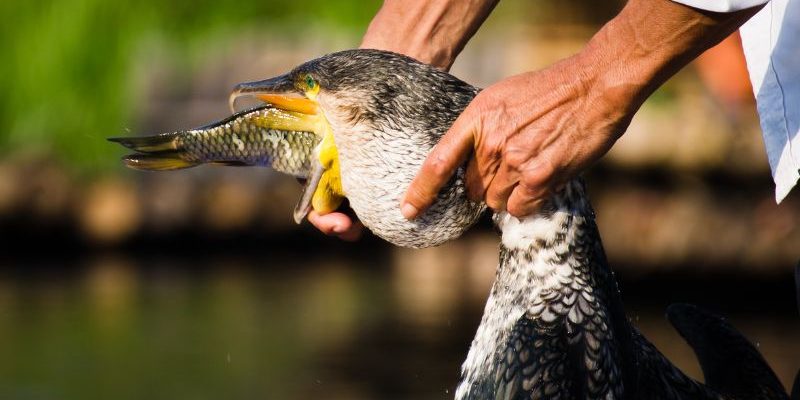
[
  {"x": 731, "y": 364},
  {"x": 155, "y": 153}
]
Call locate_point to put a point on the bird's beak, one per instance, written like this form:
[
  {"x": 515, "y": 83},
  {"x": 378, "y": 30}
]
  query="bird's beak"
[
  {"x": 278, "y": 91},
  {"x": 322, "y": 190}
]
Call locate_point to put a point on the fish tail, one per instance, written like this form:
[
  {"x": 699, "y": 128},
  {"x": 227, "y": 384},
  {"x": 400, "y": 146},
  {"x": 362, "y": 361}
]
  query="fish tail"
[
  {"x": 155, "y": 153},
  {"x": 156, "y": 161}
]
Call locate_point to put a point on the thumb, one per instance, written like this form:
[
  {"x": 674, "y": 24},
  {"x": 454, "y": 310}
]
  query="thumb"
[{"x": 442, "y": 162}]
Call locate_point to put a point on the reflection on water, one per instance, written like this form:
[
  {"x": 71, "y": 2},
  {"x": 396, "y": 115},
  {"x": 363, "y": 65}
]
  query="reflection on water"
[{"x": 278, "y": 325}]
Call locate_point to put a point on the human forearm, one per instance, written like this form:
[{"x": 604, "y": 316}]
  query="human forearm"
[
  {"x": 433, "y": 32},
  {"x": 647, "y": 43}
]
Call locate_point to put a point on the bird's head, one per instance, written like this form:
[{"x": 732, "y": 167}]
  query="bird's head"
[{"x": 379, "y": 115}]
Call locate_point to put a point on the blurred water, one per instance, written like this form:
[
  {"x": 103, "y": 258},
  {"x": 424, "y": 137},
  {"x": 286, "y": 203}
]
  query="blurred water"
[{"x": 291, "y": 323}]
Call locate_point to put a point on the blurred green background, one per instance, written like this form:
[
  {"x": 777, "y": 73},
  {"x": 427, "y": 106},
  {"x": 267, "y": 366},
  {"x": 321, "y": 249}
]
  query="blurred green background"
[
  {"x": 196, "y": 284},
  {"x": 71, "y": 65}
]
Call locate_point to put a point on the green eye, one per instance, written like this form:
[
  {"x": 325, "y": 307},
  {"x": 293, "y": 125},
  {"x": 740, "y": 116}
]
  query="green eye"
[{"x": 310, "y": 82}]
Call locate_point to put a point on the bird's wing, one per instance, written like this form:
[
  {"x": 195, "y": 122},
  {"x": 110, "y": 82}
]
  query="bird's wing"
[{"x": 731, "y": 365}]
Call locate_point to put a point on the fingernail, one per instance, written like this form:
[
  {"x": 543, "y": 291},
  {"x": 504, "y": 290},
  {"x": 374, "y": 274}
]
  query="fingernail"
[{"x": 408, "y": 211}]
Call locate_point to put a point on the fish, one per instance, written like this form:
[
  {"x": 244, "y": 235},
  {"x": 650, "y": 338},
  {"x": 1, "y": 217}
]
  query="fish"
[{"x": 246, "y": 138}]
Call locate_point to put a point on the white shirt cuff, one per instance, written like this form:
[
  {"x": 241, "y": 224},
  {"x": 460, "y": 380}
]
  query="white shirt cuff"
[{"x": 721, "y": 5}]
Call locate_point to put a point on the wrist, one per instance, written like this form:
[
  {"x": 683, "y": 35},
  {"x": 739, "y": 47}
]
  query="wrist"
[
  {"x": 628, "y": 59},
  {"x": 648, "y": 42}
]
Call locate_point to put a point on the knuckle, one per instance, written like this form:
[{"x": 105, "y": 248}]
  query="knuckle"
[
  {"x": 538, "y": 175},
  {"x": 515, "y": 158},
  {"x": 516, "y": 211},
  {"x": 493, "y": 145},
  {"x": 495, "y": 202},
  {"x": 523, "y": 208},
  {"x": 531, "y": 182}
]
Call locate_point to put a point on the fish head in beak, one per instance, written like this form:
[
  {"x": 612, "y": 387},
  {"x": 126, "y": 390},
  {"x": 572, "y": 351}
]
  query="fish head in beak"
[{"x": 295, "y": 94}]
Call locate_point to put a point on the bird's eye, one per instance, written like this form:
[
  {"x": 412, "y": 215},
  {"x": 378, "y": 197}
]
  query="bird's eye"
[{"x": 310, "y": 82}]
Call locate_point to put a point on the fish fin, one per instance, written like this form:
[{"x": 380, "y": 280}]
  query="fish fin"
[
  {"x": 150, "y": 144},
  {"x": 731, "y": 364},
  {"x": 156, "y": 162}
]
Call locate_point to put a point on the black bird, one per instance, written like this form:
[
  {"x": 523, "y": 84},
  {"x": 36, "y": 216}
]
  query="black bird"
[{"x": 554, "y": 325}]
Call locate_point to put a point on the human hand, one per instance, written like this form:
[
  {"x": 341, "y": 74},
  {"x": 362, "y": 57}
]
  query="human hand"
[
  {"x": 531, "y": 133},
  {"x": 337, "y": 224},
  {"x": 528, "y": 135}
]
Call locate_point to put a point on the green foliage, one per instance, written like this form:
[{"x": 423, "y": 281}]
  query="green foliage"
[{"x": 68, "y": 64}]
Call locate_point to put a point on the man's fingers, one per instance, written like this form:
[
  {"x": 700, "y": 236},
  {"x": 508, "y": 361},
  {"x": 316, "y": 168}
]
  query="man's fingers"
[
  {"x": 524, "y": 201},
  {"x": 534, "y": 188},
  {"x": 501, "y": 187},
  {"x": 447, "y": 155},
  {"x": 473, "y": 181},
  {"x": 354, "y": 233},
  {"x": 336, "y": 224}
]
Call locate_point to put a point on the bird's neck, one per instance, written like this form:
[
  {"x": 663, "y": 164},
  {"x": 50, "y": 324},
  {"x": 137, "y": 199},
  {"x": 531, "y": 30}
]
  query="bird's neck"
[{"x": 552, "y": 269}]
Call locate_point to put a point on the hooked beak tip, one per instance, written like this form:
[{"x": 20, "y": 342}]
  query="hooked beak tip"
[
  {"x": 232, "y": 99},
  {"x": 240, "y": 90}
]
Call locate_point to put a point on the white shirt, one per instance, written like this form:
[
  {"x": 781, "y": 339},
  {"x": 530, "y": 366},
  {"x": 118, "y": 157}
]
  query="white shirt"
[{"x": 771, "y": 41}]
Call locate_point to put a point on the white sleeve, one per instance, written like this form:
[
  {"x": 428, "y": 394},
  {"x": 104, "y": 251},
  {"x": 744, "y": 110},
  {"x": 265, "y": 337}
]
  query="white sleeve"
[
  {"x": 771, "y": 41},
  {"x": 721, "y": 5}
]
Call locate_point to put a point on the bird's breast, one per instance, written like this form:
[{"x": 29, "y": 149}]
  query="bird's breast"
[{"x": 377, "y": 166}]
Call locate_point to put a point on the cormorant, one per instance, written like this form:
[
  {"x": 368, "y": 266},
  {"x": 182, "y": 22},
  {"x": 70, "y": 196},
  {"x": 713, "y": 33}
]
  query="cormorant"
[{"x": 554, "y": 325}]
